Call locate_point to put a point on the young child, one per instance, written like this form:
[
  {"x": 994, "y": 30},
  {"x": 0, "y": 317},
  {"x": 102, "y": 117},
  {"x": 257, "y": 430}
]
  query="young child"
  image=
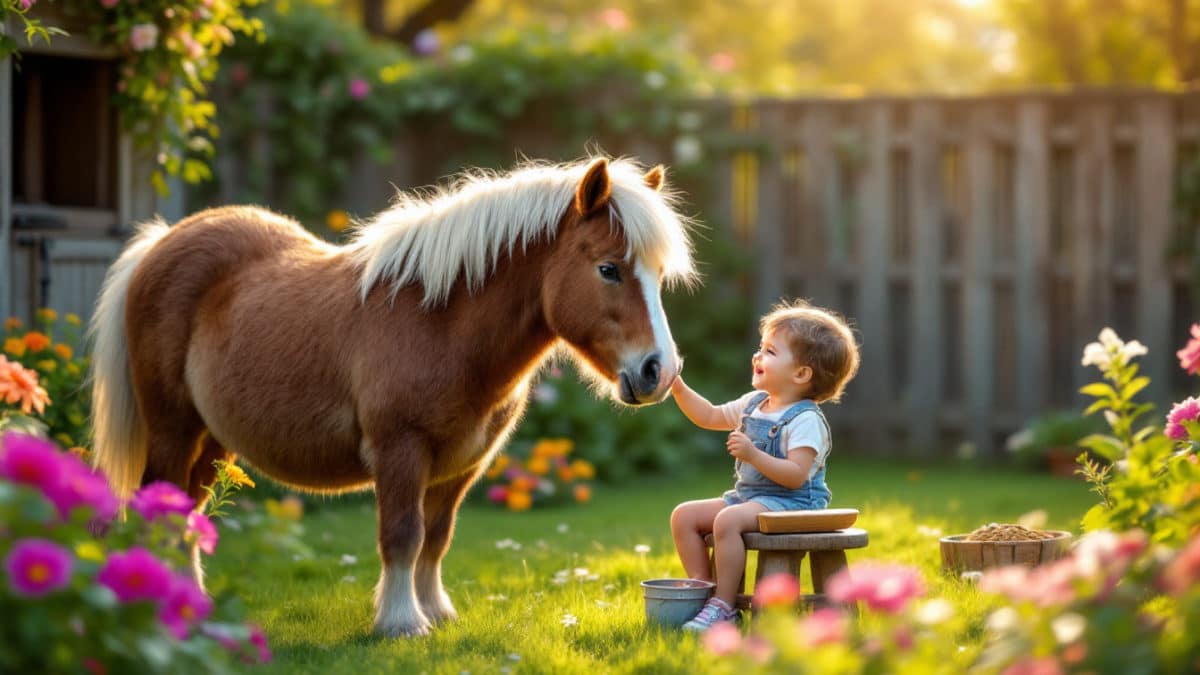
[{"x": 779, "y": 438}]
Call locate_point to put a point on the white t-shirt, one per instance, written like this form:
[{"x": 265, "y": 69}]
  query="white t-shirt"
[{"x": 804, "y": 431}]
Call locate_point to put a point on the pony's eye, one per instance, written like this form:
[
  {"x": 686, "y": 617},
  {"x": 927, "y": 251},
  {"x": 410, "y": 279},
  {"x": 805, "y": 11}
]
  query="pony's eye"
[{"x": 609, "y": 272}]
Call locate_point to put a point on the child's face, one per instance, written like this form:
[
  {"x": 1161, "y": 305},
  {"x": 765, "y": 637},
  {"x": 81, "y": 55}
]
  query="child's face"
[{"x": 775, "y": 369}]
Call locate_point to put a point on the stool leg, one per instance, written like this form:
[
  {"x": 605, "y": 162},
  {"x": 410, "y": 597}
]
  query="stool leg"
[
  {"x": 825, "y": 564},
  {"x": 774, "y": 562}
]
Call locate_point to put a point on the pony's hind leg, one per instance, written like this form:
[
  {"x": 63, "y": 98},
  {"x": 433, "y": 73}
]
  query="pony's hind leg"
[
  {"x": 441, "y": 507},
  {"x": 174, "y": 444},
  {"x": 204, "y": 471},
  {"x": 401, "y": 468}
]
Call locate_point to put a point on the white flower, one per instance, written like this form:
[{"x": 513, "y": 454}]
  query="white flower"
[
  {"x": 569, "y": 620},
  {"x": 687, "y": 149},
  {"x": 462, "y": 54},
  {"x": 143, "y": 37},
  {"x": 562, "y": 528},
  {"x": 514, "y": 657},
  {"x": 1002, "y": 619},
  {"x": 508, "y": 543},
  {"x": 1019, "y": 440},
  {"x": 349, "y": 579},
  {"x": 934, "y": 611},
  {"x": 1108, "y": 338},
  {"x": 581, "y": 572},
  {"x": 499, "y": 597},
  {"x": 1094, "y": 354},
  {"x": 655, "y": 79},
  {"x": 1068, "y": 628},
  {"x": 1034, "y": 520},
  {"x": 1132, "y": 349},
  {"x": 603, "y": 605},
  {"x": 545, "y": 393},
  {"x": 560, "y": 577},
  {"x": 348, "y": 559},
  {"x": 641, "y": 549},
  {"x": 928, "y": 531}
]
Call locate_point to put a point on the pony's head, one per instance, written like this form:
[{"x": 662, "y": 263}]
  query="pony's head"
[{"x": 617, "y": 243}]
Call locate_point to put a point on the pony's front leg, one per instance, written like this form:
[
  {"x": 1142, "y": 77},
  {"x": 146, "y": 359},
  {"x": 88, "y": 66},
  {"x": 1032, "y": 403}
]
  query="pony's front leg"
[
  {"x": 400, "y": 481},
  {"x": 441, "y": 507}
]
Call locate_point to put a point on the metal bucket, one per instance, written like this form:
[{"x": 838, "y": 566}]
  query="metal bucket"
[{"x": 674, "y": 602}]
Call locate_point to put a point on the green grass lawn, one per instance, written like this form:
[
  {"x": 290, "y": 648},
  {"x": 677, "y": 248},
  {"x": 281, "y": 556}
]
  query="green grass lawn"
[{"x": 317, "y": 612}]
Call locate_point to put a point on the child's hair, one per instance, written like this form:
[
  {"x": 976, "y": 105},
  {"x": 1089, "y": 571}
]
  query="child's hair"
[{"x": 820, "y": 339}]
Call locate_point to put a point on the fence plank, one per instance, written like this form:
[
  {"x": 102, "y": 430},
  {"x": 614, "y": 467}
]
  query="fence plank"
[
  {"x": 875, "y": 196},
  {"x": 977, "y": 295},
  {"x": 769, "y": 226},
  {"x": 820, "y": 203},
  {"x": 1091, "y": 229},
  {"x": 1155, "y": 182},
  {"x": 925, "y": 358},
  {"x": 1032, "y": 276}
]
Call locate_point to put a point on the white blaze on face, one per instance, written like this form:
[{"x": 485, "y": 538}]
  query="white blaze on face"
[{"x": 663, "y": 343}]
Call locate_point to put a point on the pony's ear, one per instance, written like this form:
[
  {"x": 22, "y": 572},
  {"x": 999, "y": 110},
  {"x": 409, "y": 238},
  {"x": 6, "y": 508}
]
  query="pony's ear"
[
  {"x": 654, "y": 177},
  {"x": 595, "y": 188}
]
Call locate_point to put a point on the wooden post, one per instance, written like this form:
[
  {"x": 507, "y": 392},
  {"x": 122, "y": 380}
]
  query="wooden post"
[
  {"x": 820, "y": 204},
  {"x": 875, "y": 388},
  {"x": 1155, "y": 186},
  {"x": 978, "y": 349},
  {"x": 1032, "y": 273},
  {"x": 6, "y": 182},
  {"x": 926, "y": 348}
]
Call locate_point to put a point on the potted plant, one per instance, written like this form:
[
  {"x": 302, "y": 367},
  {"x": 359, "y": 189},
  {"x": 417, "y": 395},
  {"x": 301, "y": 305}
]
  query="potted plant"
[{"x": 1051, "y": 442}]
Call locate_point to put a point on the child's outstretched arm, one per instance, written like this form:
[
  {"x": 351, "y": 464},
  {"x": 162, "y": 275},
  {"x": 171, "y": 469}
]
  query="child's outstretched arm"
[{"x": 697, "y": 408}]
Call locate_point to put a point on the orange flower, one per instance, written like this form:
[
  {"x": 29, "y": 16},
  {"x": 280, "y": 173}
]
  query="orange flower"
[
  {"x": 36, "y": 341},
  {"x": 565, "y": 475},
  {"x": 12, "y": 323},
  {"x": 583, "y": 469},
  {"x": 539, "y": 466},
  {"x": 81, "y": 453},
  {"x": 583, "y": 494},
  {"x": 519, "y": 500},
  {"x": 498, "y": 466},
  {"x": 236, "y": 475},
  {"x": 524, "y": 483},
  {"x": 20, "y": 385},
  {"x": 15, "y": 346},
  {"x": 64, "y": 351},
  {"x": 337, "y": 220}
]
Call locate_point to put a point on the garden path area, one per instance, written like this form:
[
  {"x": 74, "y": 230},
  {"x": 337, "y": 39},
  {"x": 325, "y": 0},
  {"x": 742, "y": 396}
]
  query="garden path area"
[{"x": 556, "y": 590}]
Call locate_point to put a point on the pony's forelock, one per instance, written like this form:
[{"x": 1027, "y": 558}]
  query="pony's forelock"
[{"x": 435, "y": 236}]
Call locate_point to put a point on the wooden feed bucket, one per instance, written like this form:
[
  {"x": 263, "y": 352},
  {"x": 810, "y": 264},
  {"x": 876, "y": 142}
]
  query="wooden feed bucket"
[{"x": 968, "y": 556}]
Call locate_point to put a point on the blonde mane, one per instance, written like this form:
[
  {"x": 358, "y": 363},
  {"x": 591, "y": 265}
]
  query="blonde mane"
[{"x": 461, "y": 230}]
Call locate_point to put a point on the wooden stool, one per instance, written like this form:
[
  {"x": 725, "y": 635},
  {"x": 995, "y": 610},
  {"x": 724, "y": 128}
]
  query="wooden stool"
[{"x": 784, "y": 552}]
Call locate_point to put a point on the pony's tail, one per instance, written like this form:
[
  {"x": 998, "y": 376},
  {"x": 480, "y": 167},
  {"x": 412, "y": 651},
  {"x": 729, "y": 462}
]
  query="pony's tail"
[{"x": 118, "y": 431}]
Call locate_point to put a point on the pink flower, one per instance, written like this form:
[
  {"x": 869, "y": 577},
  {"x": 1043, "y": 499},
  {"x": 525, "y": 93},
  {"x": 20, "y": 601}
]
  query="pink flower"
[
  {"x": 884, "y": 587},
  {"x": 109, "y": 4},
  {"x": 81, "y": 486},
  {"x": 615, "y": 19},
  {"x": 824, "y": 626},
  {"x": 185, "y": 606},
  {"x": 135, "y": 575},
  {"x": 29, "y": 460},
  {"x": 777, "y": 590},
  {"x": 36, "y": 567},
  {"x": 1009, "y": 581},
  {"x": 143, "y": 36},
  {"x": 359, "y": 88},
  {"x": 259, "y": 640},
  {"x": 1189, "y": 356},
  {"x": 722, "y": 62},
  {"x": 759, "y": 649},
  {"x": 1187, "y": 410},
  {"x": 1103, "y": 553},
  {"x": 160, "y": 499},
  {"x": 26, "y": 4},
  {"x": 1027, "y": 666},
  {"x": 497, "y": 494},
  {"x": 1183, "y": 572},
  {"x": 200, "y": 527},
  {"x": 722, "y": 639}
]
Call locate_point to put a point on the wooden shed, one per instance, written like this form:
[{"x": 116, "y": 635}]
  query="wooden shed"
[{"x": 71, "y": 185}]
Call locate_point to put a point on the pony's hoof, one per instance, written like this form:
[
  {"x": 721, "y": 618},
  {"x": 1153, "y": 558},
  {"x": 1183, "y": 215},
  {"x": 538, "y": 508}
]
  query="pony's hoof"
[
  {"x": 404, "y": 630},
  {"x": 440, "y": 615}
]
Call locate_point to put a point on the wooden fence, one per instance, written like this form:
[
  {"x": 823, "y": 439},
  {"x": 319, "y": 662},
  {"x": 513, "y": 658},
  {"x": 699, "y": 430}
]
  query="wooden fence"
[{"x": 978, "y": 244}]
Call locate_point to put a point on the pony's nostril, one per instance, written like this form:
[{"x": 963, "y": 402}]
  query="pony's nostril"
[{"x": 650, "y": 370}]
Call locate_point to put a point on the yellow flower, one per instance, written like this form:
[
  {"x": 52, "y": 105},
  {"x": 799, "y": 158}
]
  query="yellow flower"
[
  {"x": 236, "y": 475},
  {"x": 539, "y": 466},
  {"x": 583, "y": 469},
  {"x": 583, "y": 493},
  {"x": 72, "y": 369},
  {"x": 73, "y": 319},
  {"x": 89, "y": 550},
  {"x": 12, "y": 323},
  {"x": 15, "y": 346},
  {"x": 64, "y": 351},
  {"x": 48, "y": 315},
  {"x": 81, "y": 453},
  {"x": 498, "y": 466},
  {"x": 289, "y": 508},
  {"x": 337, "y": 220},
  {"x": 47, "y": 365},
  {"x": 65, "y": 441},
  {"x": 519, "y": 500}
]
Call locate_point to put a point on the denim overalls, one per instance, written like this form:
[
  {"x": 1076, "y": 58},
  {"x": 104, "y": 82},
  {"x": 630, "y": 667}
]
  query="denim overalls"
[{"x": 752, "y": 485}]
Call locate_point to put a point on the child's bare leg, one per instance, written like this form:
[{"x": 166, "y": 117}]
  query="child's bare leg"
[
  {"x": 728, "y": 527},
  {"x": 690, "y": 522}
]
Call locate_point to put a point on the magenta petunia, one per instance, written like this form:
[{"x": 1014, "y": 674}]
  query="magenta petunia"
[
  {"x": 205, "y": 533},
  {"x": 160, "y": 499},
  {"x": 259, "y": 640},
  {"x": 359, "y": 88},
  {"x": 884, "y": 587},
  {"x": 32, "y": 461},
  {"x": 1187, "y": 410},
  {"x": 186, "y": 605},
  {"x": 81, "y": 486},
  {"x": 135, "y": 575},
  {"x": 497, "y": 494},
  {"x": 1189, "y": 356},
  {"x": 36, "y": 567}
]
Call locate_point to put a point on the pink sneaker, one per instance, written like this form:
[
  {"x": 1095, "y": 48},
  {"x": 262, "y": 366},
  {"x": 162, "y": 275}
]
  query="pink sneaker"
[{"x": 714, "y": 611}]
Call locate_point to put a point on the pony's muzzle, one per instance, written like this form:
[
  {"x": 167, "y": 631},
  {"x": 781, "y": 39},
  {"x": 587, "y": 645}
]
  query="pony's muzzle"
[{"x": 640, "y": 385}]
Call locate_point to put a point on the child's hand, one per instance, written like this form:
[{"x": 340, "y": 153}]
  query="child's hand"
[{"x": 741, "y": 447}]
